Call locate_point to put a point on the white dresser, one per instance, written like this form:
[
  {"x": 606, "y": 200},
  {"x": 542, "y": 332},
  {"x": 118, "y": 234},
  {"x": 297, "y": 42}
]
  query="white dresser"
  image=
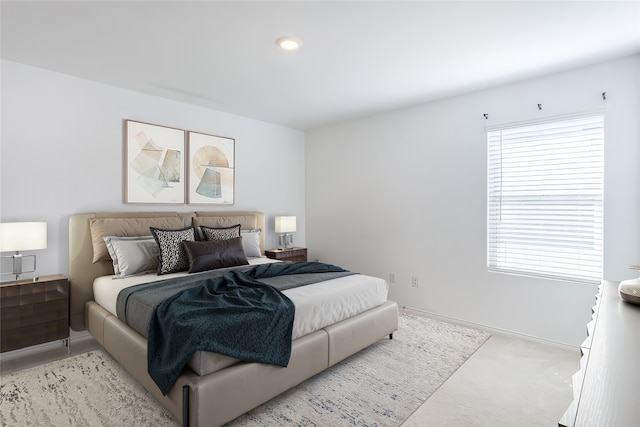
[{"x": 606, "y": 389}]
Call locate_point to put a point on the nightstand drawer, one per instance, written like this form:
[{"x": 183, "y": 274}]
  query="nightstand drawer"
[
  {"x": 33, "y": 292},
  {"x": 33, "y": 314},
  {"x": 290, "y": 254},
  {"x": 15, "y": 339}
]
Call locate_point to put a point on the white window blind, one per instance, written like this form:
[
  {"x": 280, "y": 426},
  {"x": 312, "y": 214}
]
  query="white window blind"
[{"x": 545, "y": 199}]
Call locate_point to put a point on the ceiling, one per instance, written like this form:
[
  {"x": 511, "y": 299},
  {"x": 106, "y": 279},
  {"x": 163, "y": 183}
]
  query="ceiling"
[{"x": 358, "y": 58}]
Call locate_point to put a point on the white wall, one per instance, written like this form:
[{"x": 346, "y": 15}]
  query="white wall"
[
  {"x": 405, "y": 192},
  {"x": 62, "y": 153},
  {"x": 402, "y": 192}
]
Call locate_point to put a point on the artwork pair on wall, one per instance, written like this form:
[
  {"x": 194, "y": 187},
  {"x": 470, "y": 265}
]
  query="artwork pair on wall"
[{"x": 155, "y": 166}]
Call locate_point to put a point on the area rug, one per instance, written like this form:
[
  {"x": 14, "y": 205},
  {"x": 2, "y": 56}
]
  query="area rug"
[{"x": 380, "y": 386}]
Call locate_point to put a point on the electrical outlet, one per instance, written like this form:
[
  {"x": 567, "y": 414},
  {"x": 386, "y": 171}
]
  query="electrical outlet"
[
  {"x": 414, "y": 282},
  {"x": 392, "y": 277}
]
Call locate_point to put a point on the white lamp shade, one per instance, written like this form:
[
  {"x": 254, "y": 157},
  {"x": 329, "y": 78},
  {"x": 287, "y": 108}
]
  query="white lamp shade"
[
  {"x": 285, "y": 224},
  {"x": 23, "y": 236}
]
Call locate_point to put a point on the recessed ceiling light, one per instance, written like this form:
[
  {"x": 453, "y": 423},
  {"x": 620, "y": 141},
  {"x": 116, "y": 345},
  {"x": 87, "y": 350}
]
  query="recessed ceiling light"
[{"x": 289, "y": 43}]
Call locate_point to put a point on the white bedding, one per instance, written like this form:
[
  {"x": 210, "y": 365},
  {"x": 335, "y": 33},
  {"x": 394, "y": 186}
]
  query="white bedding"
[
  {"x": 317, "y": 305},
  {"x": 107, "y": 288}
]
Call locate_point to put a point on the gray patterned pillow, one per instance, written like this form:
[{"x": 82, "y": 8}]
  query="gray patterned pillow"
[
  {"x": 173, "y": 257},
  {"x": 225, "y": 233}
]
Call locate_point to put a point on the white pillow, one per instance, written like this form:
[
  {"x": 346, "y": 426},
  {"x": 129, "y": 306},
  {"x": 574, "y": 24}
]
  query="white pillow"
[
  {"x": 251, "y": 242},
  {"x": 132, "y": 255}
]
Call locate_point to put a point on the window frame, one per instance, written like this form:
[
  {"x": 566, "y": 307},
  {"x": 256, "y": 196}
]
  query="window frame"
[{"x": 510, "y": 249}]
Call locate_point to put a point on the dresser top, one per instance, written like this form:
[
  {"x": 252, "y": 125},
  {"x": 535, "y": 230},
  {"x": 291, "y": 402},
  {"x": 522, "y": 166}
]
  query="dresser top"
[
  {"x": 612, "y": 376},
  {"x": 40, "y": 279}
]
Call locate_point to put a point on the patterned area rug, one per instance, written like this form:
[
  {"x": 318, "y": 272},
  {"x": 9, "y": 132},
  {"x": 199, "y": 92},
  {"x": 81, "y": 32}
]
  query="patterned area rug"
[
  {"x": 380, "y": 386},
  {"x": 86, "y": 390}
]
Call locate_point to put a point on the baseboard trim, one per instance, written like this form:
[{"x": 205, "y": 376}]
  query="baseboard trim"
[{"x": 495, "y": 331}]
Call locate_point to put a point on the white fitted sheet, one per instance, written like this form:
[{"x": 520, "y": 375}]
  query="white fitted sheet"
[{"x": 107, "y": 288}]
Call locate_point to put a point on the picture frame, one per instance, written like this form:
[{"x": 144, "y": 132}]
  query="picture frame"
[
  {"x": 154, "y": 164},
  {"x": 211, "y": 169}
]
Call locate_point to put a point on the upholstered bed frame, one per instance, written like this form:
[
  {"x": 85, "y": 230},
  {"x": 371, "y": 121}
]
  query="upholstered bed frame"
[{"x": 217, "y": 398}]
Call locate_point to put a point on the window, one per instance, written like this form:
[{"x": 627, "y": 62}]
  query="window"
[{"x": 545, "y": 199}]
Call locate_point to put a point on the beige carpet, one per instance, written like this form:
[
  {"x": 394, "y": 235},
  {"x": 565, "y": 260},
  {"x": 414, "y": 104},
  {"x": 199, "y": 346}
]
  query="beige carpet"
[{"x": 380, "y": 386}]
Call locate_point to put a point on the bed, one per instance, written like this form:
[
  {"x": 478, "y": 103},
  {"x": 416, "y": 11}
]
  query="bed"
[{"x": 214, "y": 389}]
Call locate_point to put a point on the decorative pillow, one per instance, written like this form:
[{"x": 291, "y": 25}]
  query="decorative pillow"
[
  {"x": 125, "y": 227},
  {"x": 224, "y": 233},
  {"x": 172, "y": 254},
  {"x": 251, "y": 242},
  {"x": 132, "y": 255},
  {"x": 214, "y": 254}
]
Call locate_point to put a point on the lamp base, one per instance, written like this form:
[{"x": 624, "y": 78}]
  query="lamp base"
[
  {"x": 286, "y": 241},
  {"x": 18, "y": 269}
]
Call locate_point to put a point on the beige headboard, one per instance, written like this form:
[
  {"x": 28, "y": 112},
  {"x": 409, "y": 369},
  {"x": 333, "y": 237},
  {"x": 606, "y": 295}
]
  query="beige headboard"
[{"x": 83, "y": 271}]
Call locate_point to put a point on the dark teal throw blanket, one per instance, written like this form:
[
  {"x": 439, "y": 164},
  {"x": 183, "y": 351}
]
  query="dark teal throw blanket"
[{"x": 235, "y": 315}]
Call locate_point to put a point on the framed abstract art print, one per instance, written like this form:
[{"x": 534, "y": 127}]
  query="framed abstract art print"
[
  {"x": 154, "y": 164},
  {"x": 211, "y": 169}
]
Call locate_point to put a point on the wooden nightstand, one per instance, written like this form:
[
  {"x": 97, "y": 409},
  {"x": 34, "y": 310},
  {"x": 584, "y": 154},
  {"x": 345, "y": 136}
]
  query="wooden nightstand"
[
  {"x": 33, "y": 312},
  {"x": 289, "y": 254}
]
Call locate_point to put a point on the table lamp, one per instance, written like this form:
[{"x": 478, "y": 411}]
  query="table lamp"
[{"x": 22, "y": 236}]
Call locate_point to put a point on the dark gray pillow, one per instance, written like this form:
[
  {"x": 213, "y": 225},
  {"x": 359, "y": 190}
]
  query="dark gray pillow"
[
  {"x": 209, "y": 255},
  {"x": 173, "y": 258},
  {"x": 223, "y": 233}
]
